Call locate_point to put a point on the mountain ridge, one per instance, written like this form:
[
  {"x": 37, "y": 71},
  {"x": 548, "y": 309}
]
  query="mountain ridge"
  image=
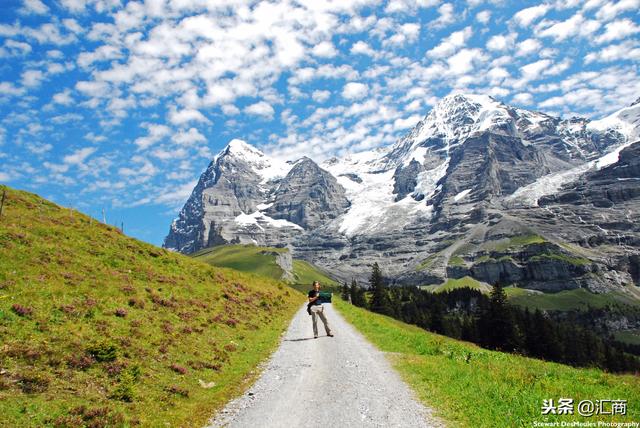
[{"x": 471, "y": 171}]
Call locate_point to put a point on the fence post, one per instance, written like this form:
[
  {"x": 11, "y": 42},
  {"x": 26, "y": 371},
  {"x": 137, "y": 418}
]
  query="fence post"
[{"x": 4, "y": 192}]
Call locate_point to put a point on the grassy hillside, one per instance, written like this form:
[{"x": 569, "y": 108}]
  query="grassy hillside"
[
  {"x": 452, "y": 284},
  {"x": 245, "y": 258},
  {"x": 262, "y": 261},
  {"x": 98, "y": 329},
  {"x": 474, "y": 387}
]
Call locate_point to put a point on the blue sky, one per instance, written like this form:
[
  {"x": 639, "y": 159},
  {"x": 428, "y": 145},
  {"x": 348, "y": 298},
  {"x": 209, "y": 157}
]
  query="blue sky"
[{"x": 121, "y": 105}]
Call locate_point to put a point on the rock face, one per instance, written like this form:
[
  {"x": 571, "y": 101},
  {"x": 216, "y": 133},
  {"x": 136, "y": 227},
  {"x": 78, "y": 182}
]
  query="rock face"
[
  {"x": 477, "y": 188},
  {"x": 308, "y": 196}
]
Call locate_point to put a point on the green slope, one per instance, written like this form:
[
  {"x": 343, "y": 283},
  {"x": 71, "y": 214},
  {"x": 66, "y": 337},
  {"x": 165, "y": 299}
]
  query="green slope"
[
  {"x": 98, "y": 329},
  {"x": 262, "y": 261},
  {"x": 245, "y": 258},
  {"x": 452, "y": 284},
  {"x": 474, "y": 387}
]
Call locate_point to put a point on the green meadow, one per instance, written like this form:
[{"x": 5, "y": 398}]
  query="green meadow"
[
  {"x": 98, "y": 329},
  {"x": 468, "y": 386}
]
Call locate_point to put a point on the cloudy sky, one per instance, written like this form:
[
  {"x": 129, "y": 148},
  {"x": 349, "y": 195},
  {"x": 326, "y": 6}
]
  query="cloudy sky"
[{"x": 121, "y": 105}]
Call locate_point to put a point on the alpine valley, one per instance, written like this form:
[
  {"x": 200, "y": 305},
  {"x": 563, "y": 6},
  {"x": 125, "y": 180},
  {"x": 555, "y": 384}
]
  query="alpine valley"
[{"x": 478, "y": 188}]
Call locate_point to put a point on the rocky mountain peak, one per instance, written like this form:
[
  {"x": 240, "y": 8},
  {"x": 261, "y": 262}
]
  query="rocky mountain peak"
[{"x": 472, "y": 170}]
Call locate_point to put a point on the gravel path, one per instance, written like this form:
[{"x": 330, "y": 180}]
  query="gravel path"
[{"x": 340, "y": 381}]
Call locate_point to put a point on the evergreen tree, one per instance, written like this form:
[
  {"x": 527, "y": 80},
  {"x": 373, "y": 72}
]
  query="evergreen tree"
[
  {"x": 380, "y": 297},
  {"x": 357, "y": 294},
  {"x": 500, "y": 331},
  {"x": 345, "y": 292}
]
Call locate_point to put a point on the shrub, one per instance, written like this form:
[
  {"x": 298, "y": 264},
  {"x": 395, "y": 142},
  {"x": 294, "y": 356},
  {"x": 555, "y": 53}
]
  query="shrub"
[
  {"x": 121, "y": 312},
  {"x": 178, "y": 369},
  {"x": 103, "y": 351},
  {"x": 31, "y": 383},
  {"x": 23, "y": 311},
  {"x": 81, "y": 362},
  {"x": 124, "y": 390},
  {"x": 174, "y": 389}
]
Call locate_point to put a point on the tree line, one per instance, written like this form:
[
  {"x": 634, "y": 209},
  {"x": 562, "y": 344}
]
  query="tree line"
[{"x": 492, "y": 323}]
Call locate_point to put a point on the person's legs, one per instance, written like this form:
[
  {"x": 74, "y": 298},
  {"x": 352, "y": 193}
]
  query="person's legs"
[
  {"x": 324, "y": 321},
  {"x": 314, "y": 318}
]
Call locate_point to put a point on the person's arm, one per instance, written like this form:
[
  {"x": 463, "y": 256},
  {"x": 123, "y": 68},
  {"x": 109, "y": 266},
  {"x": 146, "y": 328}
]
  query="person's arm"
[{"x": 313, "y": 299}]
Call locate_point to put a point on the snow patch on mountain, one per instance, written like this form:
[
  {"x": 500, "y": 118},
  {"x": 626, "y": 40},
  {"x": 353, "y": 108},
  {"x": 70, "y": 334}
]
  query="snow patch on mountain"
[
  {"x": 461, "y": 195},
  {"x": 257, "y": 218},
  {"x": 266, "y": 167},
  {"x": 626, "y": 121},
  {"x": 551, "y": 183},
  {"x": 372, "y": 199}
]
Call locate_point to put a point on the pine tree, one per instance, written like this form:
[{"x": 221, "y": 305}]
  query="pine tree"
[
  {"x": 345, "y": 292},
  {"x": 498, "y": 321},
  {"x": 380, "y": 298},
  {"x": 357, "y": 294}
]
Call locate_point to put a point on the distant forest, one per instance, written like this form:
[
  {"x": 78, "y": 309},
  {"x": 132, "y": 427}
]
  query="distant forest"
[{"x": 492, "y": 323}]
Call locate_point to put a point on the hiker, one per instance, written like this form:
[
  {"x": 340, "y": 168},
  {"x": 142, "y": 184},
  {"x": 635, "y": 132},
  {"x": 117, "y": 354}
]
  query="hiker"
[{"x": 315, "y": 309}]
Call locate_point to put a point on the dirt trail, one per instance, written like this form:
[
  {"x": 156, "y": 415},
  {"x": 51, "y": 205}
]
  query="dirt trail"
[{"x": 326, "y": 382}]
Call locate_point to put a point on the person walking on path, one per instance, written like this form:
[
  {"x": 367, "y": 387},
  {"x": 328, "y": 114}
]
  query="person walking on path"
[{"x": 315, "y": 309}]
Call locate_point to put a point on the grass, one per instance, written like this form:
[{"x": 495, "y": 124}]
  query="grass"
[
  {"x": 99, "y": 329},
  {"x": 565, "y": 300},
  {"x": 457, "y": 261},
  {"x": 577, "y": 261},
  {"x": 245, "y": 258},
  {"x": 514, "y": 242},
  {"x": 452, "y": 284},
  {"x": 305, "y": 273},
  {"x": 629, "y": 336},
  {"x": 472, "y": 387},
  {"x": 426, "y": 263},
  {"x": 261, "y": 261}
]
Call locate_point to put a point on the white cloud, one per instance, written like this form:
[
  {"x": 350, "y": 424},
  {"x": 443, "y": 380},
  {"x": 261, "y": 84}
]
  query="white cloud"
[
  {"x": 574, "y": 26},
  {"x": 354, "y": 90},
  {"x": 324, "y": 50},
  {"x": 527, "y": 47},
  {"x": 613, "y": 8},
  {"x": 63, "y": 98},
  {"x": 501, "y": 42},
  {"x": 32, "y": 78},
  {"x": 617, "y": 30},
  {"x": 409, "y": 122},
  {"x": 465, "y": 61},
  {"x": 185, "y": 116},
  {"x": 627, "y": 50},
  {"x": 38, "y": 148},
  {"x": 523, "y": 98},
  {"x": 102, "y": 53},
  {"x": 33, "y": 7},
  {"x": 363, "y": 48},
  {"x": 533, "y": 70},
  {"x": 483, "y": 17},
  {"x": 526, "y": 16},
  {"x": 260, "y": 108},
  {"x": 446, "y": 17},
  {"x": 407, "y": 33},
  {"x": 187, "y": 138},
  {"x": 155, "y": 133},
  {"x": 178, "y": 196},
  {"x": 449, "y": 45},
  {"x": 79, "y": 156},
  {"x": 14, "y": 48},
  {"x": 8, "y": 88},
  {"x": 93, "y": 88},
  {"x": 544, "y": 67},
  {"x": 320, "y": 96}
]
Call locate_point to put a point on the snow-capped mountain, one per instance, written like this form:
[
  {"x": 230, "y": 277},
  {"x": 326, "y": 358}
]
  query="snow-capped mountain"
[{"x": 471, "y": 173}]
